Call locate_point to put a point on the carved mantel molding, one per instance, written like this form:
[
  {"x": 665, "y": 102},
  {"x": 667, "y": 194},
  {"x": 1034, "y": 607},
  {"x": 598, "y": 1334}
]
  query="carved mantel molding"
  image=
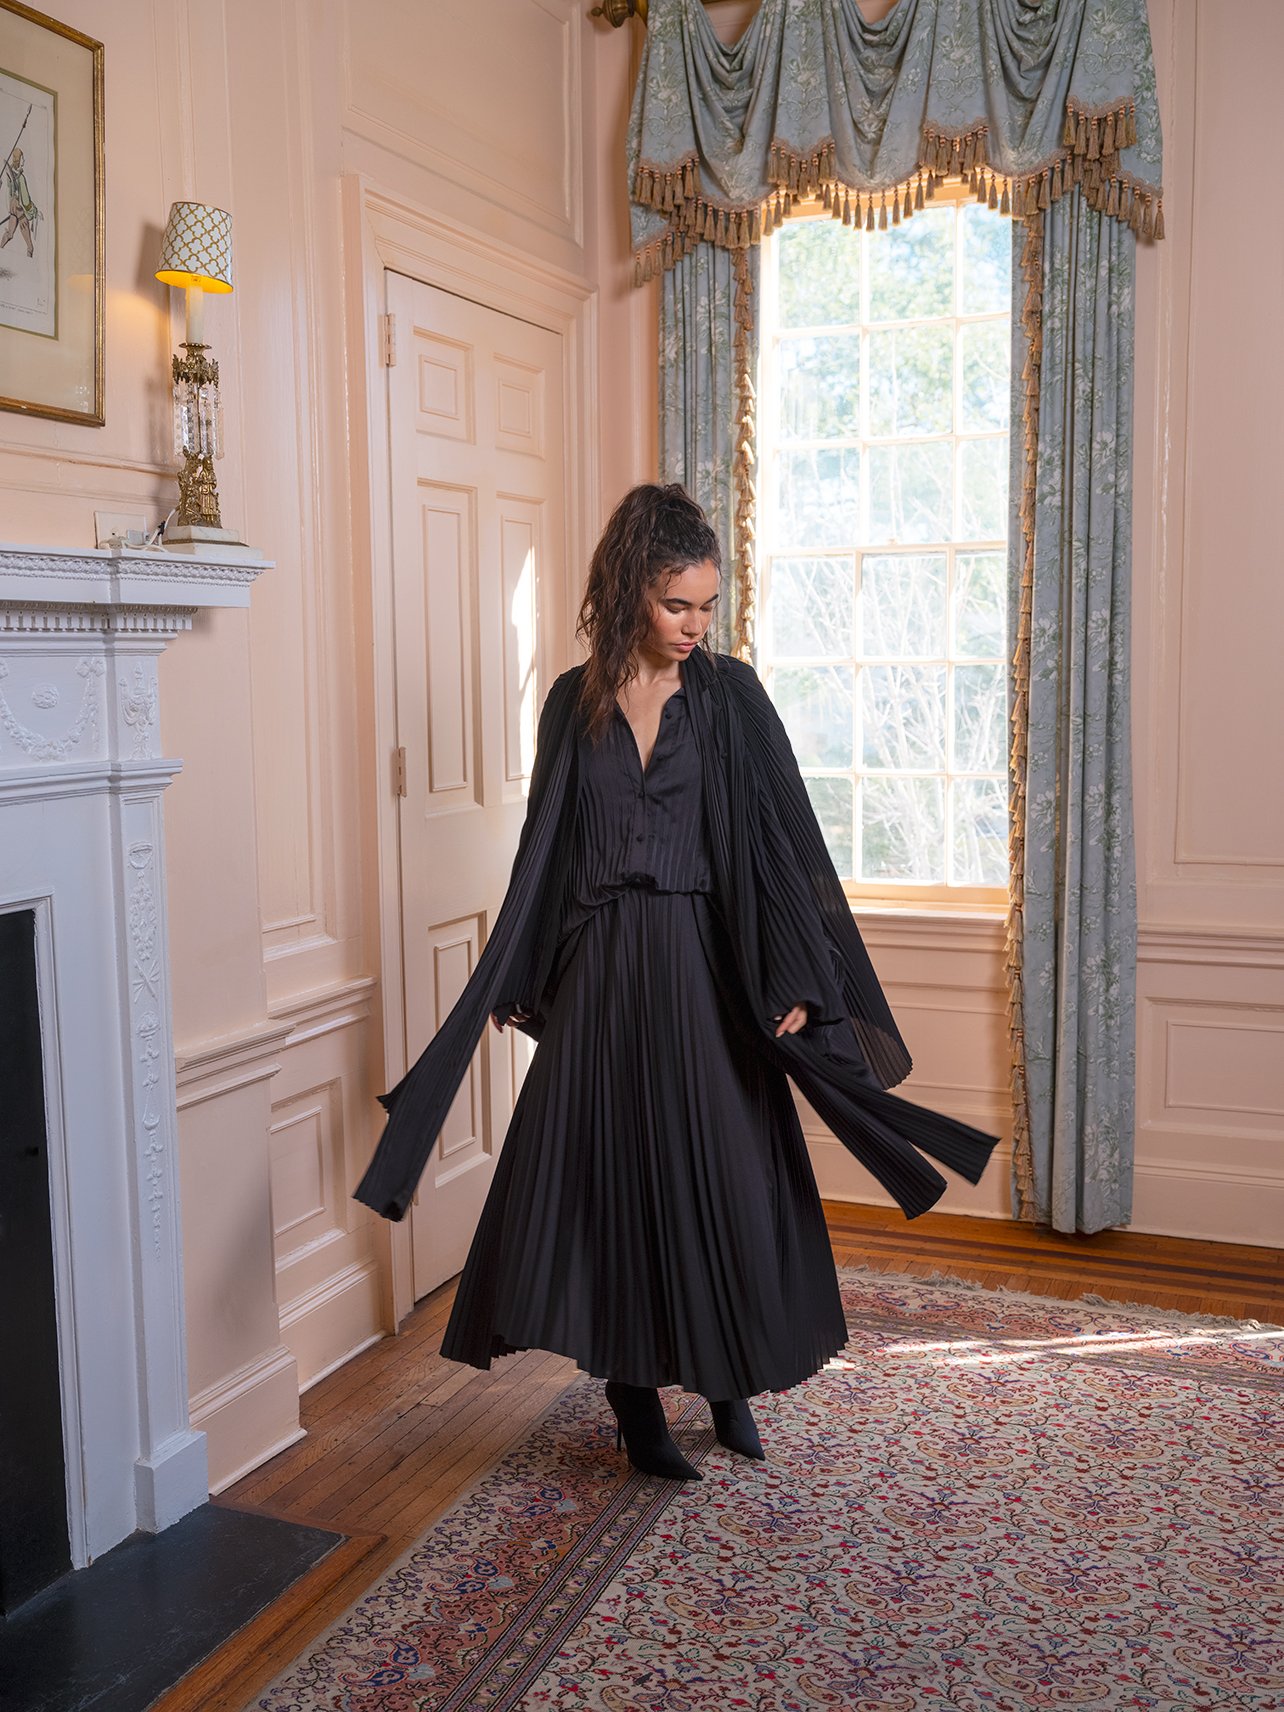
[{"x": 82, "y": 839}]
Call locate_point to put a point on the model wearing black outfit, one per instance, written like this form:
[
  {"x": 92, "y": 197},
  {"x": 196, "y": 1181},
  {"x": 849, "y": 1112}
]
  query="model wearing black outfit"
[{"x": 677, "y": 940}]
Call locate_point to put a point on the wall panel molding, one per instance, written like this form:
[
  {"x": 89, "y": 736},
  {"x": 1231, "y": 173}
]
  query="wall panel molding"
[{"x": 534, "y": 52}]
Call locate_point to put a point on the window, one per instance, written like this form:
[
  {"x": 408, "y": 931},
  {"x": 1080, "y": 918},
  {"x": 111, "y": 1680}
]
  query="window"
[{"x": 883, "y": 447}]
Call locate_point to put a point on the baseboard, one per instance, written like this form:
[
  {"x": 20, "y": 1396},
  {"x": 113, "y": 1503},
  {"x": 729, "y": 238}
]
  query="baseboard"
[
  {"x": 1208, "y": 1203},
  {"x": 248, "y": 1416},
  {"x": 328, "y": 1324}
]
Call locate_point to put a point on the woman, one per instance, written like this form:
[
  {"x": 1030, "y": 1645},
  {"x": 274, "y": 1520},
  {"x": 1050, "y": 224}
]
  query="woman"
[{"x": 678, "y": 942}]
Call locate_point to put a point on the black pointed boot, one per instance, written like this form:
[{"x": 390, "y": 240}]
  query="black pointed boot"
[
  {"x": 734, "y": 1425},
  {"x": 642, "y": 1426}
]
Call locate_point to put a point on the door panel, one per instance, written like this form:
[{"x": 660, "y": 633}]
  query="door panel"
[{"x": 479, "y": 533}]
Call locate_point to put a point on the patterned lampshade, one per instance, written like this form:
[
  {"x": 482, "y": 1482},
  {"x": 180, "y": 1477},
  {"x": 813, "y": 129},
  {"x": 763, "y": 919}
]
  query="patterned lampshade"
[{"x": 197, "y": 247}]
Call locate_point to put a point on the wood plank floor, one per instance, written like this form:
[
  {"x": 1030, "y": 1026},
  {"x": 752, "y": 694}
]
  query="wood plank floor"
[{"x": 398, "y": 1434}]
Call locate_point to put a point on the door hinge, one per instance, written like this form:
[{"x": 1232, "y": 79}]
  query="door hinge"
[
  {"x": 389, "y": 323},
  {"x": 399, "y": 771}
]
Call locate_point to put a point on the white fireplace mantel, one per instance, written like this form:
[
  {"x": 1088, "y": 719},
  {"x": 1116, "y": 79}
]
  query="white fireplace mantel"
[{"x": 82, "y": 846}]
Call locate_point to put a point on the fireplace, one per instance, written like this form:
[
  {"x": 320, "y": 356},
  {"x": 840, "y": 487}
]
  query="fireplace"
[{"x": 89, "y": 1223}]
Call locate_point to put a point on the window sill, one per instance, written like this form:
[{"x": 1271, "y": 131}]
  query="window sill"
[{"x": 931, "y": 927}]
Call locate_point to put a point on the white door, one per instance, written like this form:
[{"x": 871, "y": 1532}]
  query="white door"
[{"x": 478, "y": 531}]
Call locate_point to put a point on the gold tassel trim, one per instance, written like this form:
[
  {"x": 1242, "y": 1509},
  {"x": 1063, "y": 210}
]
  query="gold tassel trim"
[
  {"x": 1031, "y": 264},
  {"x": 1091, "y": 142},
  {"x": 742, "y": 466}
]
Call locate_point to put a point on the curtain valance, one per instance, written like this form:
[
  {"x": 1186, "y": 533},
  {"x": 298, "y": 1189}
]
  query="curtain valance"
[{"x": 1025, "y": 97}]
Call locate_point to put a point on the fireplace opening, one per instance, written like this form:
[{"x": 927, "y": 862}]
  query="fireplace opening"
[{"x": 34, "y": 1545}]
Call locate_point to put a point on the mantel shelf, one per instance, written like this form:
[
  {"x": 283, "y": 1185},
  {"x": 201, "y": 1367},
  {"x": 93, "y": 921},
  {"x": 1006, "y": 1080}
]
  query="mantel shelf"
[{"x": 126, "y": 577}]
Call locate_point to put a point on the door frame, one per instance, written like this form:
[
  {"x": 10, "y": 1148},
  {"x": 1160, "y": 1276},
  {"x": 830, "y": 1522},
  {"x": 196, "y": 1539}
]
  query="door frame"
[{"x": 382, "y": 232}]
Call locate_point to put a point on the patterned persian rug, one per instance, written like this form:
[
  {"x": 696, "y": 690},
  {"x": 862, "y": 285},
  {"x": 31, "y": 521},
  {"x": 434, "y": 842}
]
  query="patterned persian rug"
[{"x": 989, "y": 1503}]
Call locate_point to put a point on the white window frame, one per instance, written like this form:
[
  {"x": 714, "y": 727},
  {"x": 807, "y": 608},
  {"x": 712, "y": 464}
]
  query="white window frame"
[{"x": 892, "y": 896}]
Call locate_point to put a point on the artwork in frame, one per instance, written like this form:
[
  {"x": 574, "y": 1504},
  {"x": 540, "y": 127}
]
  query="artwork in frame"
[{"x": 51, "y": 218}]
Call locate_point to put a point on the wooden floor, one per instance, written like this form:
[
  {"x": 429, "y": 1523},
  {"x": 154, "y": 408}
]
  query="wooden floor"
[{"x": 396, "y": 1435}]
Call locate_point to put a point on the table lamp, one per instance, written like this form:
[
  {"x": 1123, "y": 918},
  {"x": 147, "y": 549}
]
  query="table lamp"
[{"x": 196, "y": 253}]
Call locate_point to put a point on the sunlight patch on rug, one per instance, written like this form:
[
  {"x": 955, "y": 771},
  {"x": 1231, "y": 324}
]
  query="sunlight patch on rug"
[{"x": 989, "y": 1502}]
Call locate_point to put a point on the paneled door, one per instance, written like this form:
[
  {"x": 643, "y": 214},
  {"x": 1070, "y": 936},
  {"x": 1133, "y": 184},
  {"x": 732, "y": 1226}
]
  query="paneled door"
[{"x": 478, "y": 534}]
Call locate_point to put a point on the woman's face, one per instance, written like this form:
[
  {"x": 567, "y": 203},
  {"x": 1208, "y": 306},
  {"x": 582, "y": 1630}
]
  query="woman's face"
[{"x": 682, "y": 604}]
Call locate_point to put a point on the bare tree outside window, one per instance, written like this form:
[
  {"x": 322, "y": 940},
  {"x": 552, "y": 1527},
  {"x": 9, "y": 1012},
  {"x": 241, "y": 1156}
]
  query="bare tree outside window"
[{"x": 883, "y": 448}]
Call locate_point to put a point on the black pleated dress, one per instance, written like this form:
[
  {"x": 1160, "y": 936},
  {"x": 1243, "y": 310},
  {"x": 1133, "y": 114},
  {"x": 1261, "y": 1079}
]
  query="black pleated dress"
[{"x": 653, "y": 1212}]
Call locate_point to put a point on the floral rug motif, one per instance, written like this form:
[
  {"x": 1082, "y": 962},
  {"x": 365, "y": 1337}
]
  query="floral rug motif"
[{"x": 989, "y": 1502}]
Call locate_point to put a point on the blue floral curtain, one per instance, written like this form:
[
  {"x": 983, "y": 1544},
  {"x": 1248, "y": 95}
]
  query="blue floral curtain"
[
  {"x": 1047, "y": 108},
  {"x": 707, "y": 352},
  {"x": 1072, "y": 940}
]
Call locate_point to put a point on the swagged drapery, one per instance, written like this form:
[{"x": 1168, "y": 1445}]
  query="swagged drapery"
[{"x": 1047, "y": 108}]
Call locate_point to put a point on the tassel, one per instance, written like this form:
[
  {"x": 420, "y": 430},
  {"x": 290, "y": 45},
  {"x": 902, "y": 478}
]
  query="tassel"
[
  {"x": 1148, "y": 219},
  {"x": 1159, "y": 220},
  {"x": 869, "y": 215},
  {"x": 908, "y": 209},
  {"x": 1137, "y": 204},
  {"x": 994, "y": 195},
  {"x": 847, "y": 208},
  {"x": 1130, "y": 134},
  {"x": 896, "y": 209},
  {"x": 1081, "y": 136},
  {"x": 1045, "y": 196},
  {"x": 824, "y": 195},
  {"x": 778, "y": 212},
  {"x": 1005, "y": 206},
  {"x": 1056, "y": 181},
  {"x": 1094, "y": 139},
  {"x": 720, "y": 235},
  {"x": 1067, "y": 130},
  {"x": 688, "y": 185},
  {"x": 1108, "y": 135},
  {"x": 931, "y": 186},
  {"x": 1112, "y": 201},
  {"x": 918, "y": 192},
  {"x": 710, "y": 224},
  {"x": 882, "y": 213}
]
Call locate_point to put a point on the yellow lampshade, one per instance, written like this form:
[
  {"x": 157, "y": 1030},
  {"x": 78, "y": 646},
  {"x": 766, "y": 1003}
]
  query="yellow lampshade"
[{"x": 197, "y": 247}]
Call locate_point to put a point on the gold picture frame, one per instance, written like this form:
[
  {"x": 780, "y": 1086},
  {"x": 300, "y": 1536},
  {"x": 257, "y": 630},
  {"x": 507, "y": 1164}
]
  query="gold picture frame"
[{"x": 52, "y": 282}]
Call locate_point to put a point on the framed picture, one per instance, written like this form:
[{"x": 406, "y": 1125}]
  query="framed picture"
[{"x": 51, "y": 218}]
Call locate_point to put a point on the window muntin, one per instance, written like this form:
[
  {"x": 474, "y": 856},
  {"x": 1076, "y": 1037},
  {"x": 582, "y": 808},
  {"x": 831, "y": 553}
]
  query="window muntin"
[{"x": 883, "y": 446}]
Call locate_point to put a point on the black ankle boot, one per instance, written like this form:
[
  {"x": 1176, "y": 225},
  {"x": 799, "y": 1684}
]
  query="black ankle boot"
[
  {"x": 642, "y": 1426},
  {"x": 734, "y": 1426}
]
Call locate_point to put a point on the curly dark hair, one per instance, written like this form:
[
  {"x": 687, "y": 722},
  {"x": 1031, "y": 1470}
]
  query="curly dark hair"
[{"x": 655, "y": 532}]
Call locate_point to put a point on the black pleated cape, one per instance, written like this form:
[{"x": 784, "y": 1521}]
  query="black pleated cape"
[{"x": 790, "y": 923}]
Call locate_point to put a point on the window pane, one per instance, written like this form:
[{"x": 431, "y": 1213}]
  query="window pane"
[
  {"x": 903, "y": 830},
  {"x": 986, "y": 286},
  {"x": 810, "y": 608},
  {"x": 832, "y": 801},
  {"x": 980, "y": 719},
  {"x": 818, "y": 497},
  {"x": 910, "y": 494},
  {"x": 980, "y": 832},
  {"x": 820, "y": 387},
  {"x": 815, "y": 703},
  {"x": 911, "y": 268},
  {"x": 986, "y": 358},
  {"x": 911, "y": 384},
  {"x": 819, "y": 274},
  {"x": 903, "y": 716},
  {"x": 983, "y": 489},
  {"x": 980, "y": 603},
  {"x": 902, "y": 603}
]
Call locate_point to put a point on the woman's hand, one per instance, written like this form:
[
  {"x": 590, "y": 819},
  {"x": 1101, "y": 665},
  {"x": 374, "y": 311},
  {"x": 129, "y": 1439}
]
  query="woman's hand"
[
  {"x": 792, "y": 1021},
  {"x": 517, "y": 1016}
]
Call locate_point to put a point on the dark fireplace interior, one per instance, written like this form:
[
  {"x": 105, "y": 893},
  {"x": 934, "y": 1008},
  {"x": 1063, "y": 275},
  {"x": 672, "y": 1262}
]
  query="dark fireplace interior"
[{"x": 34, "y": 1549}]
